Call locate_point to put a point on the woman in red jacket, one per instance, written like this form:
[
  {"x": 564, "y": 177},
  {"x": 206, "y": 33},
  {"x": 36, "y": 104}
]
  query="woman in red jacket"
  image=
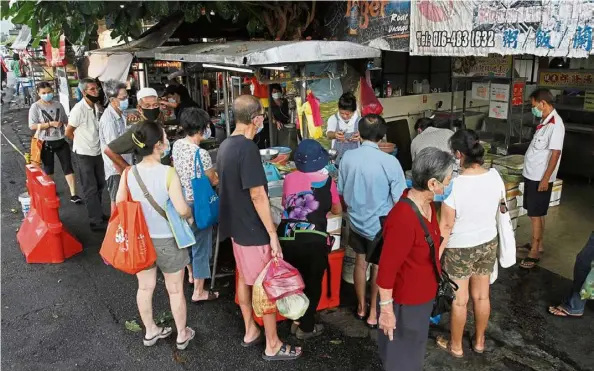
[{"x": 406, "y": 280}]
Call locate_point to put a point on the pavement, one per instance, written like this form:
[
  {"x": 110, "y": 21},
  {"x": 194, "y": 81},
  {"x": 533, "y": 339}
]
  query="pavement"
[{"x": 71, "y": 316}]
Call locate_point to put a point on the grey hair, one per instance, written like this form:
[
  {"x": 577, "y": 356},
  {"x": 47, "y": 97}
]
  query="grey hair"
[
  {"x": 245, "y": 107},
  {"x": 431, "y": 163},
  {"x": 83, "y": 84},
  {"x": 112, "y": 88}
]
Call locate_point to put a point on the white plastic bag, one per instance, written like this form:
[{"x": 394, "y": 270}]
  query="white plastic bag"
[{"x": 293, "y": 306}]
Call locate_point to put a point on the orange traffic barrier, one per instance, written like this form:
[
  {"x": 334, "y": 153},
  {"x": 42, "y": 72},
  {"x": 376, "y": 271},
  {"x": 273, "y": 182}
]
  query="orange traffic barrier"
[{"x": 42, "y": 236}]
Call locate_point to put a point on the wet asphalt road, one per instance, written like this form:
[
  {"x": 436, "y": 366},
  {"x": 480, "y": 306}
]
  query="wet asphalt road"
[{"x": 71, "y": 316}]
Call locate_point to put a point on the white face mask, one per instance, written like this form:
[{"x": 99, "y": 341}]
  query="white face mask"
[
  {"x": 276, "y": 95},
  {"x": 207, "y": 133}
]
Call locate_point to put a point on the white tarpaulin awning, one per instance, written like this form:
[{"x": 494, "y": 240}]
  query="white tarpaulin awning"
[
  {"x": 262, "y": 53},
  {"x": 110, "y": 67},
  {"x": 23, "y": 39}
]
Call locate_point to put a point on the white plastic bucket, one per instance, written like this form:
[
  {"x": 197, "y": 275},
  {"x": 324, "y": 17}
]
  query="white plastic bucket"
[{"x": 25, "y": 201}]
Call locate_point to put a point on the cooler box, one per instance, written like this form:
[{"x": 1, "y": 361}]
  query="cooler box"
[{"x": 335, "y": 259}]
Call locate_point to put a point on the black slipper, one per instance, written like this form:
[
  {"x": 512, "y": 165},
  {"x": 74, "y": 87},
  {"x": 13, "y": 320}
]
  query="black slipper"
[
  {"x": 282, "y": 354},
  {"x": 211, "y": 296},
  {"x": 371, "y": 326},
  {"x": 528, "y": 259},
  {"x": 259, "y": 340}
]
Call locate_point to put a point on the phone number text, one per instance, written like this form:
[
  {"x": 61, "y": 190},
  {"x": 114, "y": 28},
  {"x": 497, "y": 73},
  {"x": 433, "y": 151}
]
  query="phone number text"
[{"x": 457, "y": 39}]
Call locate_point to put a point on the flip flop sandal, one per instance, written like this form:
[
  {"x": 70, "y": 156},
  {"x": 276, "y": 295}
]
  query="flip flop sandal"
[
  {"x": 527, "y": 260},
  {"x": 317, "y": 331},
  {"x": 528, "y": 247},
  {"x": 165, "y": 332},
  {"x": 211, "y": 296},
  {"x": 474, "y": 348},
  {"x": 259, "y": 340},
  {"x": 561, "y": 311},
  {"x": 184, "y": 345},
  {"x": 282, "y": 354},
  {"x": 372, "y": 326},
  {"x": 444, "y": 344}
]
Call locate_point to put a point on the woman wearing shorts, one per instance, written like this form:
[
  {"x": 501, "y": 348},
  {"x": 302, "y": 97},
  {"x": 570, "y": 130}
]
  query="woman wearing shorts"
[
  {"x": 196, "y": 125},
  {"x": 151, "y": 144},
  {"x": 469, "y": 226},
  {"x": 47, "y": 118}
]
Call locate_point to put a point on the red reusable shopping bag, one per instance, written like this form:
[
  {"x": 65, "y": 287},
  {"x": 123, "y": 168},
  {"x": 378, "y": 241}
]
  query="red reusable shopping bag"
[
  {"x": 282, "y": 280},
  {"x": 369, "y": 102},
  {"x": 127, "y": 245}
]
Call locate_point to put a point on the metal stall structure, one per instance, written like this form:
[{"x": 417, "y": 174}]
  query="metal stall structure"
[{"x": 262, "y": 57}]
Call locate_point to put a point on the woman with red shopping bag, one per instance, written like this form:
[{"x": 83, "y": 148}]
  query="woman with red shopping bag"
[{"x": 146, "y": 184}]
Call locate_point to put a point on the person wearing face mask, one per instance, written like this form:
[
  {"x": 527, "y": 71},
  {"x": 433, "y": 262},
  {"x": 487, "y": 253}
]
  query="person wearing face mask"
[
  {"x": 309, "y": 194},
  {"x": 150, "y": 179},
  {"x": 343, "y": 127},
  {"x": 245, "y": 217},
  {"x": 83, "y": 129},
  {"x": 177, "y": 97},
  {"x": 541, "y": 164},
  {"x": 195, "y": 123},
  {"x": 370, "y": 182},
  {"x": 149, "y": 110},
  {"x": 406, "y": 277},
  {"x": 112, "y": 125},
  {"x": 47, "y": 118},
  {"x": 469, "y": 227},
  {"x": 281, "y": 116}
]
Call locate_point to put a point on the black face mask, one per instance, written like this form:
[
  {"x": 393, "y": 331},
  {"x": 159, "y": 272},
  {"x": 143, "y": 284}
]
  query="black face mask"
[
  {"x": 93, "y": 99},
  {"x": 151, "y": 114}
]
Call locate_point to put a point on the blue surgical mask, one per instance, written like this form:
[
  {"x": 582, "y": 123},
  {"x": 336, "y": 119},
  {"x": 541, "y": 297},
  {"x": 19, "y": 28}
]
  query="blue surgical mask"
[
  {"x": 124, "y": 104},
  {"x": 536, "y": 112},
  {"x": 207, "y": 133},
  {"x": 167, "y": 150},
  {"x": 47, "y": 97}
]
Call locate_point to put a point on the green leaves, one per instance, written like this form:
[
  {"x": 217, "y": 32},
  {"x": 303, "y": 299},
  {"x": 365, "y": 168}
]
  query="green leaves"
[{"x": 133, "y": 326}]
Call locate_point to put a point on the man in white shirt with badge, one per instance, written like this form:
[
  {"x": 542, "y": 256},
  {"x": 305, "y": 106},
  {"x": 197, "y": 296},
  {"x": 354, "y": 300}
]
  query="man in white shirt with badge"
[{"x": 541, "y": 165}]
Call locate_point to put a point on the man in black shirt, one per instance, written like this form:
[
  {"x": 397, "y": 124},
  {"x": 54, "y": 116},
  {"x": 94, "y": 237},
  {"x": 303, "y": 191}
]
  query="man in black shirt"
[{"x": 245, "y": 217}]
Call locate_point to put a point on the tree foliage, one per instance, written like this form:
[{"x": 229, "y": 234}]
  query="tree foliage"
[{"x": 77, "y": 20}]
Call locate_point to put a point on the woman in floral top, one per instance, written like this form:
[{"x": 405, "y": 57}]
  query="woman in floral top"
[
  {"x": 195, "y": 123},
  {"x": 309, "y": 194}
]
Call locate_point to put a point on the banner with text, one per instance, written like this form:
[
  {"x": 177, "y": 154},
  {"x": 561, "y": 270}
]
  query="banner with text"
[{"x": 477, "y": 28}]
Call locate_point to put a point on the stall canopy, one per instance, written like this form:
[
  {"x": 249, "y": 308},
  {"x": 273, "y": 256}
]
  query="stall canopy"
[
  {"x": 262, "y": 53},
  {"x": 114, "y": 62},
  {"x": 23, "y": 39},
  {"x": 151, "y": 39}
]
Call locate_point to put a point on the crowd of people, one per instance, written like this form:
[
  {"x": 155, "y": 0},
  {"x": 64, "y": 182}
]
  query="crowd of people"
[{"x": 372, "y": 190}]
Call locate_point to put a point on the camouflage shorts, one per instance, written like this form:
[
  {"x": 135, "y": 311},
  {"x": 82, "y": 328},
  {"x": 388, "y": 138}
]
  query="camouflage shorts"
[{"x": 461, "y": 263}]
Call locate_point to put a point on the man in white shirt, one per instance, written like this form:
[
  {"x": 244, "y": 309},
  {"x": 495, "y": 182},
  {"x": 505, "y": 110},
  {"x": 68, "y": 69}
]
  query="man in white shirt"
[
  {"x": 83, "y": 129},
  {"x": 429, "y": 136},
  {"x": 541, "y": 165}
]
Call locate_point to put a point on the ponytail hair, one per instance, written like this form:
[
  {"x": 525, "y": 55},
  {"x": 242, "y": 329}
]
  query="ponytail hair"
[
  {"x": 145, "y": 136},
  {"x": 467, "y": 142}
]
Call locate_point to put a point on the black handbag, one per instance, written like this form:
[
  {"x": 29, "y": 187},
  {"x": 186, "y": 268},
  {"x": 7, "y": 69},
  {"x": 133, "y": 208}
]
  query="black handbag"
[
  {"x": 374, "y": 249},
  {"x": 446, "y": 288}
]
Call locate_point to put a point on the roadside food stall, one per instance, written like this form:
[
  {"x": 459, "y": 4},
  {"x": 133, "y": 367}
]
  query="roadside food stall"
[{"x": 284, "y": 62}]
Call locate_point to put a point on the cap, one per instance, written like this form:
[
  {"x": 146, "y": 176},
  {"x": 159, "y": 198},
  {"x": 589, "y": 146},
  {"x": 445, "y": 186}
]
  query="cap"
[
  {"x": 310, "y": 156},
  {"x": 146, "y": 92}
]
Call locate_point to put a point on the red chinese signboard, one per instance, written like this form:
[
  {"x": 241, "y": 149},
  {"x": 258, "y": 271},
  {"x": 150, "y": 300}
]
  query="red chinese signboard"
[{"x": 518, "y": 94}]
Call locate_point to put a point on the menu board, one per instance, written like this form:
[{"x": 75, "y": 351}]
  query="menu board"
[
  {"x": 480, "y": 90},
  {"x": 500, "y": 92},
  {"x": 498, "y": 110}
]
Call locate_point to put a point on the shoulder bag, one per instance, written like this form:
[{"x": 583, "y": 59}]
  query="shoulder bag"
[
  {"x": 446, "y": 288},
  {"x": 206, "y": 200},
  {"x": 506, "y": 251},
  {"x": 127, "y": 245},
  {"x": 184, "y": 237}
]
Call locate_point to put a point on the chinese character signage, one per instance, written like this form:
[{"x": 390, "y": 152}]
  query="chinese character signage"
[
  {"x": 492, "y": 66},
  {"x": 566, "y": 78},
  {"x": 477, "y": 28},
  {"x": 518, "y": 93},
  {"x": 380, "y": 24}
]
